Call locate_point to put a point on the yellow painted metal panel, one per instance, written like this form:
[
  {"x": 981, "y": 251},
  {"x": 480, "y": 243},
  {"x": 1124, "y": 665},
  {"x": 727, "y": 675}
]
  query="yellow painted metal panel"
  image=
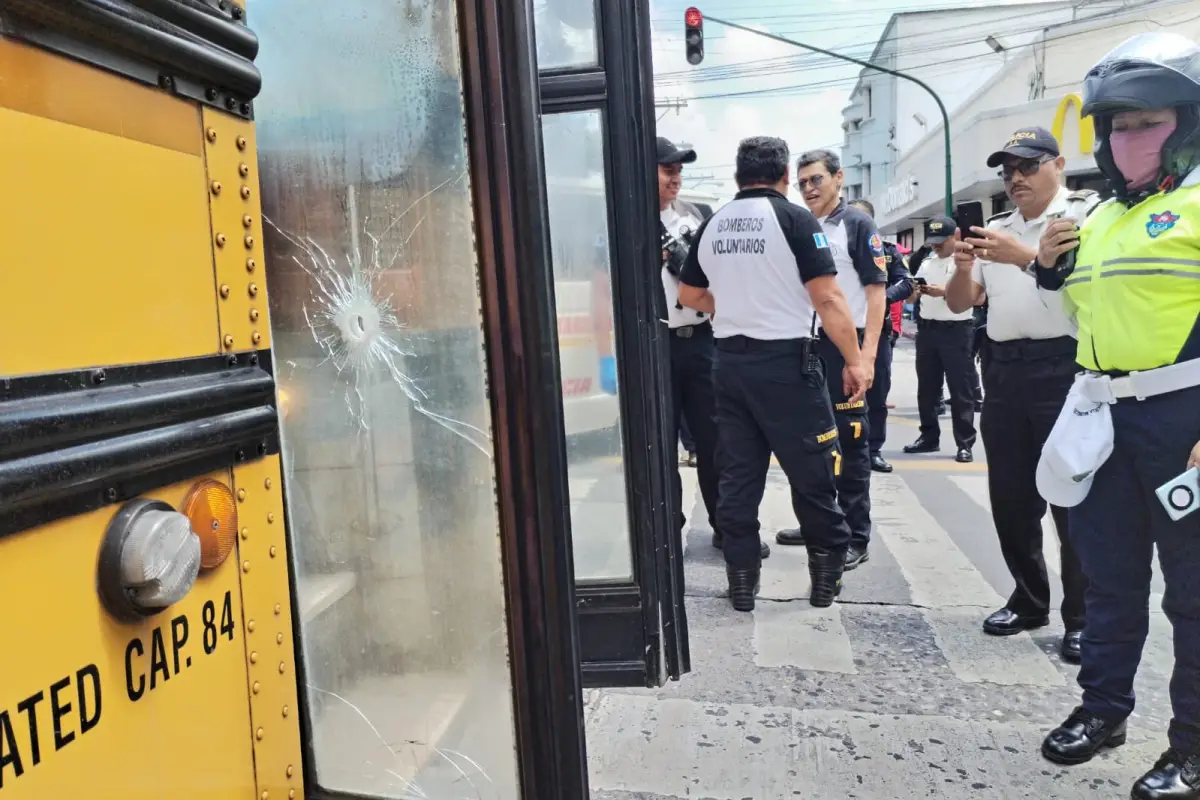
[
  {"x": 141, "y": 725},
  {"x": 232, "y": 168},
  {"x": 104, "y": 250},
  {"x": 47, "y": 85},
  {"x": 271, "y": 664}
]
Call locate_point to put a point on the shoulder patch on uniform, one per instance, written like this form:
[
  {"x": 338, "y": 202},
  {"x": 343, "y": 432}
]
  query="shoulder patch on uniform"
[
  {"x": 822, "y": 241},
  {"x": 1083, "y": 194},
  {"x": 1001, "y": 215},
  {"x": 827, "y": 436},
  {"x": 1161, "y": 223}
]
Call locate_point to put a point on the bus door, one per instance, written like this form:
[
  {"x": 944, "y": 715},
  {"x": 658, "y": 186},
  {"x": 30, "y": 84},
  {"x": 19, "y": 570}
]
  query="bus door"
[{"x": 597, "y": 133}]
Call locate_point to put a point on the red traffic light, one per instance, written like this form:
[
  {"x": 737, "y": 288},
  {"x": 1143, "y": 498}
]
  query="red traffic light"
[{"x": 692, "y": 17}]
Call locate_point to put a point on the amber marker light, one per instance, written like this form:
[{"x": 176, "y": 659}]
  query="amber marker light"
[{"x": 211, "y": 509}]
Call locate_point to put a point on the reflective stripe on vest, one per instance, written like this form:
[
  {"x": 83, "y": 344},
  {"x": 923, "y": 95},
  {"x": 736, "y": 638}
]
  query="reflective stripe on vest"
[{"x": 1136, "y": 289}]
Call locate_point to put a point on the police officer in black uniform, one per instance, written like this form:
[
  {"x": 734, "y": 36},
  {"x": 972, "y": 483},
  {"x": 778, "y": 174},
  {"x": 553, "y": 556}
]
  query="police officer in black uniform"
[
  {"x": 691, "y": 334},
  {"x": 899, "y": 288},
  {"x": 765, "y": 266}
]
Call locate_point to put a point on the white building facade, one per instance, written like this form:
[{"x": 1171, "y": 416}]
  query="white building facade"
[{"x": 1030, "y": 74}]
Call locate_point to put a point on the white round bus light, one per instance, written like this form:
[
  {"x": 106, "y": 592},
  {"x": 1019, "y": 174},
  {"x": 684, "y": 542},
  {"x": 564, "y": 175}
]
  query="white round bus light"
[{"x": 149, "y": 560}]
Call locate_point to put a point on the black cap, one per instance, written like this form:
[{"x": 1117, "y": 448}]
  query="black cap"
[
  {"x": 939, "y": 229},
  {"x": 668, "y": 153},
  {"x": 1026, "y": 143}
]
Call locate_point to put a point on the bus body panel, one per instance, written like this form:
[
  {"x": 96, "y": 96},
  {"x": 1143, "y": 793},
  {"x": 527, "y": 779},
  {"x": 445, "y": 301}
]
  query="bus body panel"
[{"x": 121, "y": 711}]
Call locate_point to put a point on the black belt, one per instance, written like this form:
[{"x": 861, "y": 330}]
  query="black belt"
[
  {"x": 944, "y": 323},
  {"x": 742, "y": 344},
  {"x": 1032, "y": 349},
  {"x": 688, "y": 331}
]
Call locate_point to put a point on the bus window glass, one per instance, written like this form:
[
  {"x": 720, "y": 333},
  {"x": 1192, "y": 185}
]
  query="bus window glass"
[
  {"x": 566, "y": 34},
  {"x": 378, "y": 353},
  {"x": 577, "y": 195}
]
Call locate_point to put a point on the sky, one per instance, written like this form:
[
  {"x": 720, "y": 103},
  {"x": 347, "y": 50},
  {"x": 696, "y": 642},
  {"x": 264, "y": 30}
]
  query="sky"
[{"x": 815, "y": 88}]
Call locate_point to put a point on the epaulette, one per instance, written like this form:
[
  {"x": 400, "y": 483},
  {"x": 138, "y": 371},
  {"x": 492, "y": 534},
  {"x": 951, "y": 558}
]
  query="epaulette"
[
  {"x": 1001, "y": 215},
  {"x": 1083, "y": 196}
]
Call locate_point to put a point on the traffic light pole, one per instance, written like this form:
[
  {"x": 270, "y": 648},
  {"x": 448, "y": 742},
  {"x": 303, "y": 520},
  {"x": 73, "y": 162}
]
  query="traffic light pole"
[{"x": 877, "y": 68}]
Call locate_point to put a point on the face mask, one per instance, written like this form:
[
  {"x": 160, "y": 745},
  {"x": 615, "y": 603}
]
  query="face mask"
[{"x": 1138, "y": 153}]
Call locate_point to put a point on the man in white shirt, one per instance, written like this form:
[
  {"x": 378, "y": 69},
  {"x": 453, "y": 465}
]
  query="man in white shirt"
[
  {"x": 765, "y": 267},
  {"x": 944, "y": 338},
  {"x": 691, "y": 342},
  {"x": 1029, "y": 368}
]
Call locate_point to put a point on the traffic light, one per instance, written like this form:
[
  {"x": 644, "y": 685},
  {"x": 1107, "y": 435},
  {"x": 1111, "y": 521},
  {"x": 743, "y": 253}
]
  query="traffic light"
[{"x": 693, "y": 35}]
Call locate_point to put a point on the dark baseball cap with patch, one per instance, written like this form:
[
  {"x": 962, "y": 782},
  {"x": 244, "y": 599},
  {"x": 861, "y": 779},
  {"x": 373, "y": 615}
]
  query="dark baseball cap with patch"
[
  {"x": 1026, "y": 143},
  {"x": 939, "y": 229},
  {"x": 668, "y": 153}
]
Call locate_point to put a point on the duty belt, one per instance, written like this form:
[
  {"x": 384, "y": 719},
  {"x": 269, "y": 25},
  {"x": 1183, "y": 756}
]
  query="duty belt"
[
  {"x": 688, "y": 331},
  {"x": 1032, "y": 349},
  {"x": 1100, "y": 388}
]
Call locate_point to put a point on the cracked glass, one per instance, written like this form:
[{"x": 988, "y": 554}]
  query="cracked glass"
[
  {"x": 578, "y": 201},
  {"x": 379, "y": 360}
]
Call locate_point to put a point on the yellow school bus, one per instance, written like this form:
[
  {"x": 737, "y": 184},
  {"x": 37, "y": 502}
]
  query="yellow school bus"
[{"x": 286, "y": 496}]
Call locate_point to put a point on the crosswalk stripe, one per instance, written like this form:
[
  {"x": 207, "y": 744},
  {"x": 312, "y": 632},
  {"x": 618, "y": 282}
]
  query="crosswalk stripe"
[
  {"x": 797, "y": 635},
  {"x": 976, "y": 487},
  {"x": 953, "y": 594}
]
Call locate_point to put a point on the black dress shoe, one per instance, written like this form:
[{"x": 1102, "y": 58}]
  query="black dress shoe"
[
  {"x": 793, "y": 537},
  {"x": 825, "y": 568},
  {"x": 879, "y": 464},
  {"x": 1081, "y": 737},
  {"x": 1070, "y": 647},
  {"x": 922, "y": 445},
  {"x": 964, "y": 456},
  {"x": 1006, "y": 622},
  {"x": 718, "y": 541},
  {"x": 855, "y": 555},
  {"x": 743, "y": 586},
  {"x": 1174, "y": 777}
]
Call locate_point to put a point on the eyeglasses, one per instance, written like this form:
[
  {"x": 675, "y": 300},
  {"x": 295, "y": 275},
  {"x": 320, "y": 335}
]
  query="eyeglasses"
[
  {"x": 1027, "y": 167},
  {"x": 815, "y": 180}
]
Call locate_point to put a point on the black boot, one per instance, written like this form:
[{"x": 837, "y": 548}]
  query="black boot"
[
  {"x": 743, "y": 586},
  {"x": 1174, "y": 777},
  {"x": 718, "y": 541},
  {"x": 825, "y": 568},
  {"x": 1081, "y": 737},
  {"x": 793, "y": 537}
]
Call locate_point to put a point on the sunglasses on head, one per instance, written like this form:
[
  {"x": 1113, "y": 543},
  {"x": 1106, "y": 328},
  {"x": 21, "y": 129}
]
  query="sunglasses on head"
[{"x": 1027, "y": 167}]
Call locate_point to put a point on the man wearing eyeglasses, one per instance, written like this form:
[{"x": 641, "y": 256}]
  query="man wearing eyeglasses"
[{"x": 1029, "y": 368}]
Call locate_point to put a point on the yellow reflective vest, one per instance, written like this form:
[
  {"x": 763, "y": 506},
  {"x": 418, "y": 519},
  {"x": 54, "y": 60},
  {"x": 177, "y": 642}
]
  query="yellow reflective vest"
[{"x": 1135, "y": 291}]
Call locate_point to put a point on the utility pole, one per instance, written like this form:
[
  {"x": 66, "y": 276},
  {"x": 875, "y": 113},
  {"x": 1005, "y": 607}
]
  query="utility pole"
[
  {"x": 676, "y": 104},
  {"x": 877, "y": 68}
]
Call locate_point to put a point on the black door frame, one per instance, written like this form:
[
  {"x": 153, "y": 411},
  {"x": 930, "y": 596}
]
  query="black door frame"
[{"x": 632, "y": 634}]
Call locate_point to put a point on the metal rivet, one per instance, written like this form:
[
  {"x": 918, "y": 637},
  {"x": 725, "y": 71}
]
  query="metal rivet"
[
  {"x": 228, "y": 341},
  {"x": 250, "y": 626},
  {"x": 241, "y": 495},
  {"x": 224, "y": 290},
  {"x": 254, "y": 315},
  {"x": 291, "y": 793},
  {"x": 165, "y": 81},
  {"x": 245, "y": 192},
  {"x": 254, "y": 658},
  {"x": 265, "y": 795},
  {"x": 262, "y": 448},
  {"x": 245, "y": 566},
  {"x": 272, "y": 551},
  {"x": 212, "y": 134},
  {"x": 220, "y": 240},
  {"x": 215, "y": 186},
  {"x": 243, "y": 170},
  {"x": 270, "y": 517},
  {"x": 267, "y": 483},
  {"x": 245, "y": 533},
  {"x": 232, "y": 360},
  {"x": 111, "y": 494},
  {"x": 282, "y": 668},
  {"x": 289, "y": 769},
  {"x": 255, "y": 687},
  {"x": 247, "y": 220},
  {"x": 231, "y": 103},
  {"x": 99, "y": 377},
  {"x": 210, "y": 93},
  {"x": 285, "y": 713},
  {"x": 251, "y": 264},
  {"x": 249, "y": 242},
  {"x": 258, "y": 734},
  {"x": 246, "y": 109},
  {"x": 278, "y": 609},
  {"x": 254, "y": 359},
  {"x": 241, "y": 143},
  {"x": 252, "y": 289},
  {"x": 256, "y": 337},
  {"x": 279, "y": 638}
]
